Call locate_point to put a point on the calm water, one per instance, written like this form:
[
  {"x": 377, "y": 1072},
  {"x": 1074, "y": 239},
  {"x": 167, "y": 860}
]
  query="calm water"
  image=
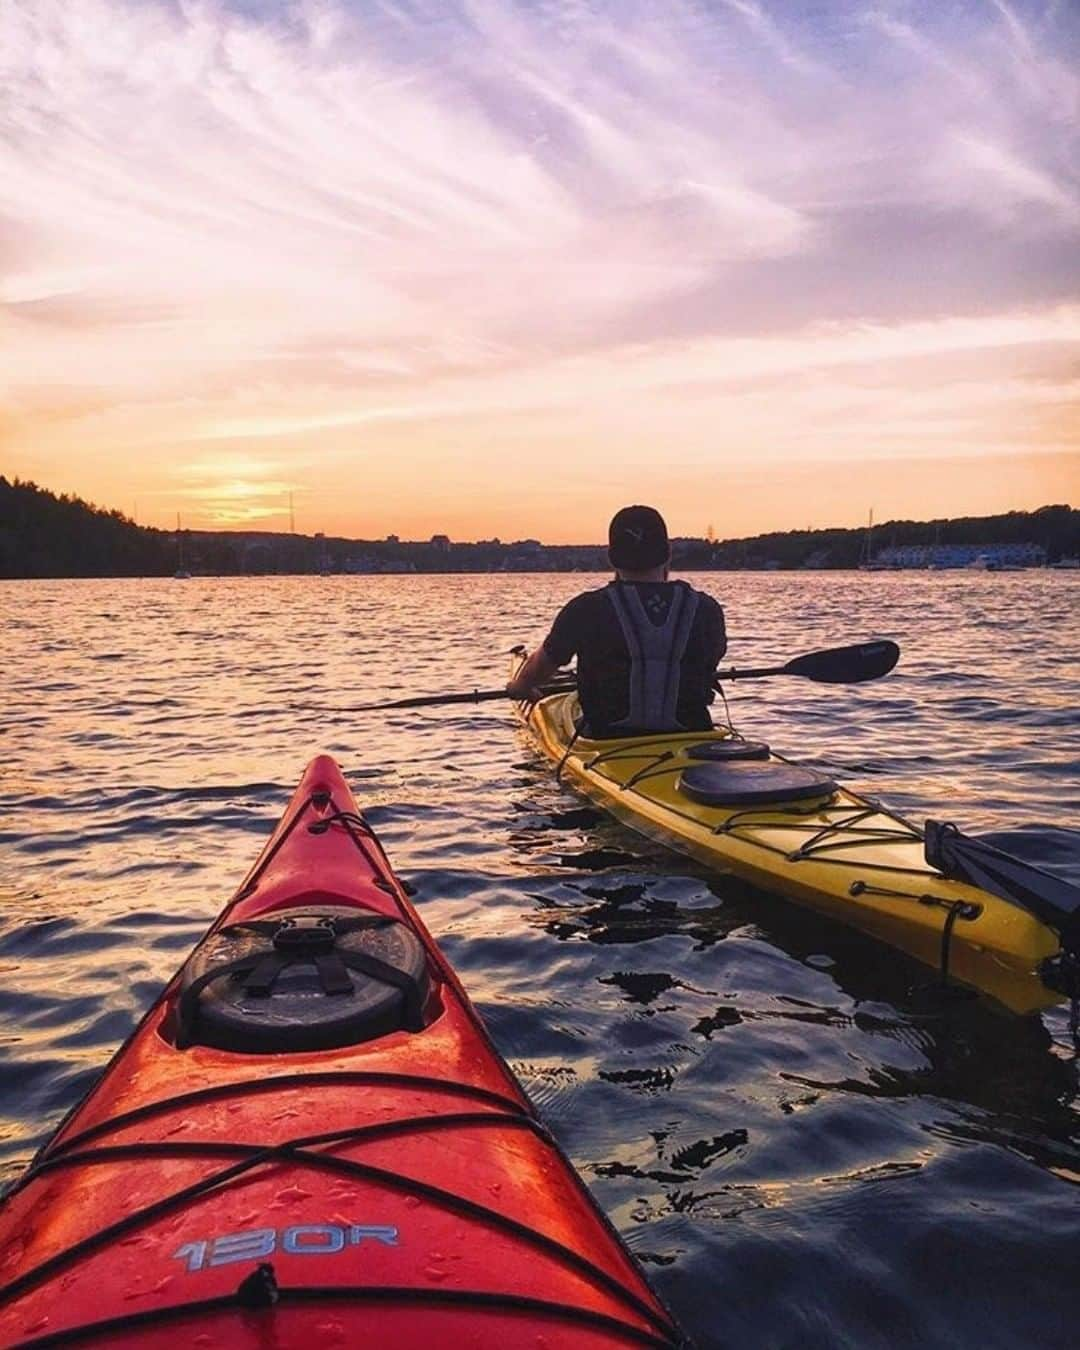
[{"x": 800, "y": 1150}]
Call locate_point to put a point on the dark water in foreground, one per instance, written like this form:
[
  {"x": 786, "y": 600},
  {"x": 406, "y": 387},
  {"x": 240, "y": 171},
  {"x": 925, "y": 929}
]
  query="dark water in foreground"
[{"x": 798, "y": 1150}]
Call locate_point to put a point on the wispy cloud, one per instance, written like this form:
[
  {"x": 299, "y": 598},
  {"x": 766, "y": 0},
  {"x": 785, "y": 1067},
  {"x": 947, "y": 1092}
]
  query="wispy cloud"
[{"x": 254, "y": 223}]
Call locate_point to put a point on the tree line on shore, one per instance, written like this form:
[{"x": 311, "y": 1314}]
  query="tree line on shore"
[{"x": 43, "y": 534}]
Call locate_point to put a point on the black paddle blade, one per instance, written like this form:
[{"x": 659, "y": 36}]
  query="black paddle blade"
[{"x": 847, "y": 665}]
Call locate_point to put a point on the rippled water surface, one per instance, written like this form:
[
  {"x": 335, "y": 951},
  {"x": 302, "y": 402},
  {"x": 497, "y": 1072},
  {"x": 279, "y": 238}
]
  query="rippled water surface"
[{"x": 800, "y": 1150}]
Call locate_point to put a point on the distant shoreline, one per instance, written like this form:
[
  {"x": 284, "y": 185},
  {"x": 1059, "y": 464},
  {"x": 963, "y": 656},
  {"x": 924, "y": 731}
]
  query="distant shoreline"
[
  {"x": 969, "y": 572},
  {"x": 43, "y": 535}
]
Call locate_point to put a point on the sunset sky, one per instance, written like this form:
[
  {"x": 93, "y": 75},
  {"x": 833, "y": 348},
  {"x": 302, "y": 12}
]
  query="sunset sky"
[{"x": 496, "y": 267}]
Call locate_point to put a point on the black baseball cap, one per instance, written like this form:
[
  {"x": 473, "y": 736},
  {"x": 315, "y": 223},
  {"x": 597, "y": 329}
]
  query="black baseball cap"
[{"x": 638, "y": 539}]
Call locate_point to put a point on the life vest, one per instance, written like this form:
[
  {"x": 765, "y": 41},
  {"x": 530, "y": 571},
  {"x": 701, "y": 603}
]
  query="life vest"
[{"x": 656, "y": 653}]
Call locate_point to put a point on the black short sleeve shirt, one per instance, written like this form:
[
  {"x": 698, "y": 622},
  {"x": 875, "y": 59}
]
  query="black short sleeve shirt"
[{"x": 588, "y": 628}]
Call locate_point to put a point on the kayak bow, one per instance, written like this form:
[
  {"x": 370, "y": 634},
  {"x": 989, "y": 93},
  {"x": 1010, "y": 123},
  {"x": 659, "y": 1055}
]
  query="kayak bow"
[{"x": 310, "y": 1140}]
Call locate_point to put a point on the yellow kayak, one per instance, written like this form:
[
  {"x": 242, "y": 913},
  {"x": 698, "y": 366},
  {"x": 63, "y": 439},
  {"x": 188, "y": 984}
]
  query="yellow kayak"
[{"x": 844, "y": 855}]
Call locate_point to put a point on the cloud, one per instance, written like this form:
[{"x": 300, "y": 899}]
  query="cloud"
[
  {"x": 709, "y": 366},
  {"x": 1013, "y": 184},
  {"x": 247, "y": 223}
]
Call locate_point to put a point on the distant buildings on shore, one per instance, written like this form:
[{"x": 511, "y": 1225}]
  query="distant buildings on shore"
[
  {"x": 984, "y": 557},
  {"x": 441, "y": 554},
  {"x": 230, "y": 552}
]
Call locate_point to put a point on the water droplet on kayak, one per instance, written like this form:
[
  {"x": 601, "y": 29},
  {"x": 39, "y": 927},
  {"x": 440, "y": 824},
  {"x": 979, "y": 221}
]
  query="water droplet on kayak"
[
  {"x": 291, "y": 1193},
  {"x": 495, "y": 1188},
  {"x": 435, "y": 1273},
  {"x": 412, "y": 1201},
  {"x": 36, "y": 1326},
  {"x": 178, "y": 1127}
]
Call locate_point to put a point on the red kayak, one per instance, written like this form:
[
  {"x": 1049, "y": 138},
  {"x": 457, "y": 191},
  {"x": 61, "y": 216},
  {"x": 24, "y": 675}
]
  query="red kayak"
[{"x": 310, "y": 1141}]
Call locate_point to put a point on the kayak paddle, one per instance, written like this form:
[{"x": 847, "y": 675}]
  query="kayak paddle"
[
  {"x": 441, "y": 700},
  {"x": 835, "y": 665}
]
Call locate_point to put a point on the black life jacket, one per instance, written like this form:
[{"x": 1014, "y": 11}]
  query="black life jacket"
[{"x": 656, "y": 653}]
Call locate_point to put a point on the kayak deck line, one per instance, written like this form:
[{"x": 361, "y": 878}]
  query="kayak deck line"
[
  {"x": 861, "y": 808},
  {"x": 180, "y": 1148},
  {"x": 281, "y": 1296},
  {"x": 763, "y": 818},
  {"x": 355, "y": 824},
  {"x": 844, "y": 854},
  {"x": 299, "y": 1150},
  {"x": 244, "y": 1086},
  {"x": 146, "y": 1193},
  {"x": 824, "y": 839}
]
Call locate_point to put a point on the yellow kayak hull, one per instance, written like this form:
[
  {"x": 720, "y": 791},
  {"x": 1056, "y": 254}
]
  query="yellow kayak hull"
[{"x": 843, "y": 855}]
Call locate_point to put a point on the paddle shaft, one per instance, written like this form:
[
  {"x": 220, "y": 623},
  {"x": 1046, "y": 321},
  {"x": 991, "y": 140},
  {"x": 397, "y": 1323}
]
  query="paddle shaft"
[
  {"x": 755, "y": 673},
  {"x": 837, "y": 665},
  {"x": 441, "y": 700}
]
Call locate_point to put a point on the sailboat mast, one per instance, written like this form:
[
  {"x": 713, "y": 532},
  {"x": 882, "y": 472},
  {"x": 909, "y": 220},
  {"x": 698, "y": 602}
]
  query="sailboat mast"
[
  {"x": 181, "y": 573},
  {"x": 867, "y": 557}
]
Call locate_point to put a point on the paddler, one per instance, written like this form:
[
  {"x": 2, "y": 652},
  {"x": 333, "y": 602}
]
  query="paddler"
[{"x": 647, "y": 647}]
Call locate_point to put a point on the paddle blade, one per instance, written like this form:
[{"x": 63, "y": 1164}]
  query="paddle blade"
[{"x": 846, "y": 665}]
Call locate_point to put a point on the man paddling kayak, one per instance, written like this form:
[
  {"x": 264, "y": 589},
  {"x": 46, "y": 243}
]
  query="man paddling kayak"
[{"x": 647, "y": 647}]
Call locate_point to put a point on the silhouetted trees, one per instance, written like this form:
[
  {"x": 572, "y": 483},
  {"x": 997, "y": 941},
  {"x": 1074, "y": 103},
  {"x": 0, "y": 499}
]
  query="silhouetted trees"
[{"x": 45, "y": 535}]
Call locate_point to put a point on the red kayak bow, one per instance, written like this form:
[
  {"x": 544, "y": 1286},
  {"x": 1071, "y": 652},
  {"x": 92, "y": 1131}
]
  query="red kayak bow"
[{"x": 310, "y": 1140}]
